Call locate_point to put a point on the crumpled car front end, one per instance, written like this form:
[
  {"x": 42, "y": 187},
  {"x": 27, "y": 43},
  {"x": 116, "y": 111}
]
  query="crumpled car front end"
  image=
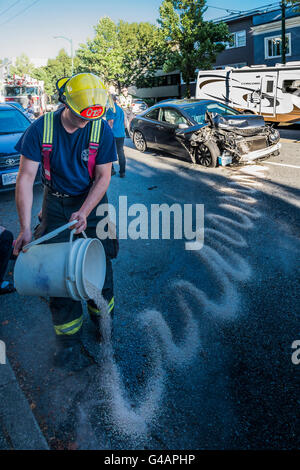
[{"x": 244, "y": 137}]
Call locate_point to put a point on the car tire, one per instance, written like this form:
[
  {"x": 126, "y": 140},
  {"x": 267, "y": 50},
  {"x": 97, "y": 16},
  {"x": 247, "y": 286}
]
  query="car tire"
[
  {"x": 139, "y": 141},
  {"x": 208, "y": 155}
]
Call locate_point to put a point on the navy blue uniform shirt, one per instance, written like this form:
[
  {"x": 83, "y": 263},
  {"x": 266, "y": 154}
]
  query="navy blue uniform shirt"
[{"x": 69, "y": 158}]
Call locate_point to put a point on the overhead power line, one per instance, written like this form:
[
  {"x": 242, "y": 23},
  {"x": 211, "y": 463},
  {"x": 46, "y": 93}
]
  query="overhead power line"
[
  {"x": 233, "y": 11},
  {"x": 20, "y": 13},
  {"x": 225, "y": 9},
  {"x": 11, "y": 6}
]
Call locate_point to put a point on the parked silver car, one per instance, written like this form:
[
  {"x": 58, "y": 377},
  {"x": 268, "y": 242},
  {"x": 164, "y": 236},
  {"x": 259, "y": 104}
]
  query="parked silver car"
[{"x": 138, "y": 106}]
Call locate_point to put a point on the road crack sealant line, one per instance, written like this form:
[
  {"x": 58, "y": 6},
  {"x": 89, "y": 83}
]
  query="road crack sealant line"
[{"x": 227, "y": 267}]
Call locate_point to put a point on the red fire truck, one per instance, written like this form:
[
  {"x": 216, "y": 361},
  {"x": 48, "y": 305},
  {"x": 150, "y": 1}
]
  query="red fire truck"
[{"x": 20, "y": 88}]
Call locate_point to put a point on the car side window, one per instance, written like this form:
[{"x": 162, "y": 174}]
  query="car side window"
[
  {"x": 172, "y": 116},
  {"x": 153, "y": 114}
]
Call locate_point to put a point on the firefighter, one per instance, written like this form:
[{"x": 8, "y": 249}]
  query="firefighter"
[{"x": 76, "y": 149}]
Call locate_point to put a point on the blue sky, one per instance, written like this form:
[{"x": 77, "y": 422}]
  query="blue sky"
[{"x": 32, "y": 32}]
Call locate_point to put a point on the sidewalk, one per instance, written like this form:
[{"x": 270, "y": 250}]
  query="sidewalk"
[{"x": 18, "y": 427}]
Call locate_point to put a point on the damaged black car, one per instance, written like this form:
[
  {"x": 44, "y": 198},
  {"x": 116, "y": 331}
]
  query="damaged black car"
[{"x": 205, "y": 132}]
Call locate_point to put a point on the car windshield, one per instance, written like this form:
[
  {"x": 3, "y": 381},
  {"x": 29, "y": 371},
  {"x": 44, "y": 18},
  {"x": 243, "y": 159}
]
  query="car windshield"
[
  {"x": 197, "y": 111},
  {"x": 12, "y": 121}
]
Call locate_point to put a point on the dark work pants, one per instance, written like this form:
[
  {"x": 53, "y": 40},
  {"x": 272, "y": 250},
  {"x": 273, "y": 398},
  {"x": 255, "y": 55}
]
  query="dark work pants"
[
  {"x": 121, "y": 154},
  {"x": 67, "y": 313},
  {"x": 6, "y": 241}
]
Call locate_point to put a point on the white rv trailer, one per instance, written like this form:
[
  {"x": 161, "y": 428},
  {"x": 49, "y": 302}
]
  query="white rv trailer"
[{"x": 273, "y": 92}]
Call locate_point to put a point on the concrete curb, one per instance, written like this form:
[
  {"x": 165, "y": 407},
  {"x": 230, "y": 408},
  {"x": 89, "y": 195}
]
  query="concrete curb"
[{"x": 18, "y": 427}]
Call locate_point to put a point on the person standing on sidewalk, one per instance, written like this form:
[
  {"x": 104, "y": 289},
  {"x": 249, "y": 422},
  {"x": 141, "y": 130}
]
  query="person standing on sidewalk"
[
  {"x": 116, "y": 120},
  {"x": 76, "y": 149},
  {"x": 126, "y": 104}
]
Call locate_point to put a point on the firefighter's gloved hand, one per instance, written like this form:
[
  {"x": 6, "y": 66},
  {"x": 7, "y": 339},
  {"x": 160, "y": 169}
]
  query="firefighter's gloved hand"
[
  {"x": 81, "y": 224},
  {"x": 25, "y": 236}
]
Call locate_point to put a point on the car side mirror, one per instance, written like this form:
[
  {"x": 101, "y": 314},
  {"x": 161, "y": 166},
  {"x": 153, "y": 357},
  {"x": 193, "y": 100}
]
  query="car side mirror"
[{"x": 183, "y": 125}]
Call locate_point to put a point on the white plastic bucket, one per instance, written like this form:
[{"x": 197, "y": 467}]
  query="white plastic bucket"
[{"x": 60, "y": 269}]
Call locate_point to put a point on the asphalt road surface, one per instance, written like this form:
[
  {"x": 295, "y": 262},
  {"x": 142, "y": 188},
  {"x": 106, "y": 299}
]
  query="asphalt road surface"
[{"x": 202, "y": 339}]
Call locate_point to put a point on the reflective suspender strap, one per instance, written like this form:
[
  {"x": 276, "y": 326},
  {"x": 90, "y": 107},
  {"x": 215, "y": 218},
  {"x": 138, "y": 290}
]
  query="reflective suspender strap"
[
  {"x": 94, "y": 146},
  {"x": 47, "y": 144}
]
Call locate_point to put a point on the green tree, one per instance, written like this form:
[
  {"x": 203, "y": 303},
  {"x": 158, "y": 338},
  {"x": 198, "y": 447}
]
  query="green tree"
[
  {"x": 192, "y": 42},
  {"x": 103, "y": 54},
  {"x": 143, "y": 51},
  {"x": 22, "y": 66},
  {"x": 56, "y": 68}
]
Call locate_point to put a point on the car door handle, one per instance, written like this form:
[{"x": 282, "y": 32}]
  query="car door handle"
[{"x": 159, "y": 127}]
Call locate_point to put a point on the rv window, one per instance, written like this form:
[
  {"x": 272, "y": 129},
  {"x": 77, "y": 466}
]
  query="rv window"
[
  {"x": 270, "y": 86},
  {"x": 290, "y": 86}
]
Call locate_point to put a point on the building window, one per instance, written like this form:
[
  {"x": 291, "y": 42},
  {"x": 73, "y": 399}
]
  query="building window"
[
  {"x": 273, "y": 46},
  {"x": 238, "y": 39},
  {"x": 160, "y": 81}
]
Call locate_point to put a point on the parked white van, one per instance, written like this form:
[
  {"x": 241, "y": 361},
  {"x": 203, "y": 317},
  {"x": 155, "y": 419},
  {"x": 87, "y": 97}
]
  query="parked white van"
[{"x": 273, "y": 92}]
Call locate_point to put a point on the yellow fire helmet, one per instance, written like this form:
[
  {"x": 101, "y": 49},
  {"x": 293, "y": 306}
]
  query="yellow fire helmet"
[{"x": 84, "y": 94}]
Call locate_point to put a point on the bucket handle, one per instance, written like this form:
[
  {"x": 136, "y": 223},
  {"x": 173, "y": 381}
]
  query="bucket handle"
[
  {"x": 53, "y": 234},
  {"x": 73, "y": 233}
]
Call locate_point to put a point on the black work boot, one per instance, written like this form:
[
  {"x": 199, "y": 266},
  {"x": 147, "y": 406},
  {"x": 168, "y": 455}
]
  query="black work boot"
[{"x": 70, "y": 355}]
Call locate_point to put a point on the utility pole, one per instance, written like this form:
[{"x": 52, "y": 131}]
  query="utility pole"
[
  {"x": 283, "y": 39},
  {"x": 72, "y": 53}
]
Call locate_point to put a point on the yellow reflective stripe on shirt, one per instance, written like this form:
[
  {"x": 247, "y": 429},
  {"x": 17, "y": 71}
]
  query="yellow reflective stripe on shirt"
[
  {"x": 51, "y": 129},
  {"x": 95, "y": 132},
  {"x": 48, "y": 129},
  {"x": 45, "y": 134},
  {"x": 69, "y": 328}
]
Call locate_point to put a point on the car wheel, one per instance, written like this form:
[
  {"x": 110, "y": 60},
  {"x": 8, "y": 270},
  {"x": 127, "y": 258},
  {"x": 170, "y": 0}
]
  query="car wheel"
[
  {"x": 139, "y": 141},
  {"x": 208, "y": 155}
]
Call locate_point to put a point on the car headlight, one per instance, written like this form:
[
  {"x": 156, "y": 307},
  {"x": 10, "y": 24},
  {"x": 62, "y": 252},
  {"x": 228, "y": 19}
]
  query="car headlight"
[{"x": 274, "y": 136}]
